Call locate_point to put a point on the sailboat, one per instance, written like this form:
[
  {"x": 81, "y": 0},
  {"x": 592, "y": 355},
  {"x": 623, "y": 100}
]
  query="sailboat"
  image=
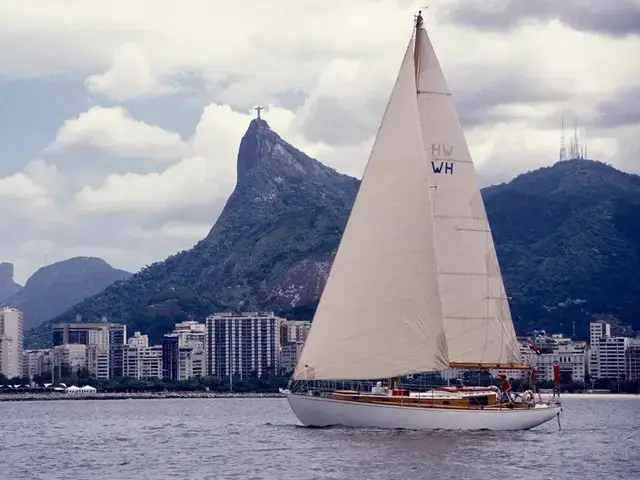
[{"x": 415, "y": 285}]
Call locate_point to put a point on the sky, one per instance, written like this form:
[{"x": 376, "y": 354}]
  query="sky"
[{"x": 120, "y": 121}]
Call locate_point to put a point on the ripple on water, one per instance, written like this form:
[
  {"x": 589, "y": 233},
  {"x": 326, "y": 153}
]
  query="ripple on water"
[{"x": 261, "y": 439}]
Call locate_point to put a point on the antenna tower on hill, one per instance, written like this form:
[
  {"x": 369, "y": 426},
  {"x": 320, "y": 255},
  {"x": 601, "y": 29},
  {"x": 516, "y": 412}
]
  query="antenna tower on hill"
[
  {"x": 576, "y": 150},
  {"x": 563, "y": 149}
]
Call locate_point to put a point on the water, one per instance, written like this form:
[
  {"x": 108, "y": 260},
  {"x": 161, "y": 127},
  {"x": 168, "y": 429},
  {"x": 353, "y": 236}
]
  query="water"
[{"x": 258, "y": 439}]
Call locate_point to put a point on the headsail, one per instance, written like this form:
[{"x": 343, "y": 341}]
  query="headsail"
[
  {"x": 380, "y": 314},
  {"x": 477, "y": 319}
]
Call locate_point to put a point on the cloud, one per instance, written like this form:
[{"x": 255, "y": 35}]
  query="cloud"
[
  {"x": 618, "y": 19},
  {"x": 45, "y": 176},
  {"x": 346, "y": 104},
  {"x": 21, "y": 187},
  {"x": 130, "y": 76},
  {"x": 36, "y": 184},
  {"x": 113, "y": 131},
  {"x": 246, "y": 51},
  {"x": 623, "y": 109},
  {"x": 28, "y": 200},
  {"x": 186, "y": 183}
]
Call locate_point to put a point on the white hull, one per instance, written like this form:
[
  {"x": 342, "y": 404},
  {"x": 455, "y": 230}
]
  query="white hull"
[{"x": 322, "y": 412}]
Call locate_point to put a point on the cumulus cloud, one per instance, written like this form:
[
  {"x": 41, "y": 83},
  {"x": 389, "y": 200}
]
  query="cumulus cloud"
[
  {"x": 113, "y": 131},
  {"x": 20, "y": 186},
  {"x": 188, "y": 182},
  {"x": 36, "y": 184},
  {"x": 131, "y": 75},
  {"x": 28, "y": 200}
]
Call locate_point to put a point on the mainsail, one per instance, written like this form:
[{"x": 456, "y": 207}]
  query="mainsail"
[
  {"x": 477, "y": 320},
  {"x": 380, "y": 314}
]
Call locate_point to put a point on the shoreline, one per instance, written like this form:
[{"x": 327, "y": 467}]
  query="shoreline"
[
  {"x": 597, "y": 395},
  {"x": 59, "y": 396},
  {"x": 43, "y": 397}
]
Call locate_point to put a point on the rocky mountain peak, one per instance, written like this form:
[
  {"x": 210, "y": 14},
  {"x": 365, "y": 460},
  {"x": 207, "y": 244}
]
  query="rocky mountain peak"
[
  {"x": 266, "y": 156},
  {"x": 8, "y": 287},
  {"x": 6, "y": 271},
  {"x": 256, "y": 143}
]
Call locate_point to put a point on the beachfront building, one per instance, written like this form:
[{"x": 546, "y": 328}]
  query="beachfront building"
[
  {"x": 68, "y": 359},
  {"x": 608, "y": 356},
  {"x": 142, "y": 361},
  {"x": 105, "y": 345},
  {"x": 243, "y": 344},
  {"x": 632, "y": 360},
  {"x": 289, "y": 354},
  {"x": 292, "y": 331},
  {"x": 572, "y": 358},
  {"x": 36, "y": 362},
  {"x": 11, "y": 342}
]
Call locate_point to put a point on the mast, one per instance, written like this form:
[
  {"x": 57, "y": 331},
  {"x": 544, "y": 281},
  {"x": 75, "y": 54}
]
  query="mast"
[
  {"x": 416, "y": 48},
  {"x": 394, "y": 382}
]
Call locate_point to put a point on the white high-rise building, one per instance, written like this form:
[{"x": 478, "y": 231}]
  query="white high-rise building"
[
  {"x": 11, "y": 342},
  {"x": 6, "y": 347},
  {"x": 191, "y": 356},
  {"x": 608, "y": 354},
  {"x": 633, "y": 360},
  {"x": 612, "y": 357},
  {"x": 143, "y": 361},
  {"x": 293, "y": 334},
  {"x": 36, "y": 362},
  {"x": 598, "y": 330},
  {"x": 105, "y": 344},
  {"x": 69, "y": 358},
  {"x": 243, "y": 344},
  {"x": 98, "y": 361},
  {"x": 294, "y": 331},
  {"x": 138, "y": 340},
  {"x": 190, "y": 333},
  {"x": 572, "y": 358},
  {"x": 289, "y": 355}
]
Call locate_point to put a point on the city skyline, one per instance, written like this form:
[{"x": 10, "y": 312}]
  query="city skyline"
[{"x": 244, "y": 344}]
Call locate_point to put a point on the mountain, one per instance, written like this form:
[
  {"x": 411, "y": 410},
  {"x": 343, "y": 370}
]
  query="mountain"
[
  {"x": 567, "y": 239},
  {"x": 271, "y": 247},
  {"x": 8, "y": 288},
  {"x": 55, "y": 288}
]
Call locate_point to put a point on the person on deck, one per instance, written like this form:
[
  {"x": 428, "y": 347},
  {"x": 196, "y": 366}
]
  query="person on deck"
[{"x": 505, "y": 388}]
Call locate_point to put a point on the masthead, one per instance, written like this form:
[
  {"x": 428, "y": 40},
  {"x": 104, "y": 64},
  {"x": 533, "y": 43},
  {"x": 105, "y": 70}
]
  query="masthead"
[{"x": 419, "y": 19}]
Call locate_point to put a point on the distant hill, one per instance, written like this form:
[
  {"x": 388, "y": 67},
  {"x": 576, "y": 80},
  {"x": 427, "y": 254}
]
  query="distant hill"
[
  {"x": 8, "y": 288},
  {"x": 567, "y": 239},
  {"x": 55, "y": 288}
]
